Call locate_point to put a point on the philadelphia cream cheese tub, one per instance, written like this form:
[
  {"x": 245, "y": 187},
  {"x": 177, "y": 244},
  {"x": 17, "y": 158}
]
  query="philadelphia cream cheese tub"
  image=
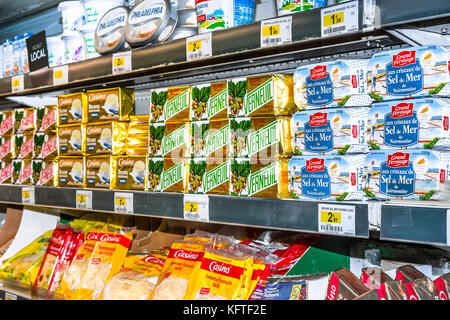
[{"x": 95, "y": 9}]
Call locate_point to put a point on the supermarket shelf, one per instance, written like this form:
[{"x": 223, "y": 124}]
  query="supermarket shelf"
[
  {"x": 14, "y": 290},
  {"x": 294, "y": 215},
  {"x": 236, "y": 47}
]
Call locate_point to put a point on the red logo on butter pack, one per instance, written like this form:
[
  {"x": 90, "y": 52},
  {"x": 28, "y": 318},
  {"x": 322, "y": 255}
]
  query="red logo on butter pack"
[
  {"x": 27, "y": 122},
  {"x": 7, "y": 125},
  {"x": 318, "y": 72},
  {"x": 49, "y": 119},
  {"x": 49, "y": 147},
  {"x": 46, "y": 174},
  {"x": 398, "y": 159},
  {"x": 315, "y": 165},
  {"x": 27, "y": 147},
  {"x": 6, "y": 173},
  {"x": 402, "y": 110},
  {"x": 404, "y": 58},
  {"x": 318, "y": 119}
]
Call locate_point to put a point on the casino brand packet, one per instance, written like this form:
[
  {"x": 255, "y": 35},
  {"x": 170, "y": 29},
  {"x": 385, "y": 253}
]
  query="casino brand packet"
[
  {"x": 99, "y": 171},
  {"x": 110, "y": 104},
  {"x": 108, "y": 138},
  {"x": 70, "y": 172},
  {"x": 130, "y": 173},
  {"x": 72, "y": 109}
]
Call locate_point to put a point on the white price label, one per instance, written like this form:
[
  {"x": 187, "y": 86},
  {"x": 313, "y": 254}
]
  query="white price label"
[
  {"x": 275, "y": 32},
  {"x": 17, "y": 83},
  {"x": 123, "y": 202},
  {"x": 196, "y": 207},
  {"x": 84, "y": 200},
  {"x": 336, "y": 219},
  {"x": 199, "y": 46},
  {"x": 28, "y": 195},
  {"x": 340, "y": 19},
  {"x": 121, "y": 62},
  {"x": 61, "y": 75},
  {"x": 10, "y": 296}
]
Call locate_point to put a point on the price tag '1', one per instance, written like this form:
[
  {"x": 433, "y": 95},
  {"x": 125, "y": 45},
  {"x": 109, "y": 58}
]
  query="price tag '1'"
[
  {"x": 28, "y": 195},
  {"x": 17, "y": 83},
  {"x": 199, "y": 46},
  {"x": 121, "y": 62},
  {"x": 61, "y": 75},
  {"x": 339, "y": 19},
  {"x": 275, "y": 32},
  {"x": 196, "y": 207},
  {"x": 84, "y": 199},
  {"x": 336, "y": 219},
  {"x": 123, "y": 202}
]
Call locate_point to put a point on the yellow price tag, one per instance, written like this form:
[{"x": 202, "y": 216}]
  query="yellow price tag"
[
  {"x": 334, "y": 18},
  {"x": 194, "y": 45},
  {"x": 121, "y": 201},
  {"x": 330, "y": 217},
  {"x": 191, "y": 207},
  {"x": 16, "y": 83},
  {"x": 26, "y": 194},
  {"x": 58, "y": 74},
  {"x": 81, "y": 198},
  {"x": 273, "y": 30},
  {"x": 119, "y": 62}
]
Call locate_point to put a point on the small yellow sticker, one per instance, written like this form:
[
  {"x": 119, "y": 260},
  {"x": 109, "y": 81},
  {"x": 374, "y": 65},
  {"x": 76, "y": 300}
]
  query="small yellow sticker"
[
  {"x": 272, "y": 30},
  {"x": 16, "y": 83},
  {"x": 81, "y": 198},
  {"x": 334, "y": 18},
  {"x": 58, "y": 74},
  {"x": 121, "y": 201},
  {"x": 119, "y": 62},
  {"x": 26, "y": 194},
  {"x": 194, "y": 45},
  {"x": 191, "y": 207},
  {"x": 330, "y": 217}
]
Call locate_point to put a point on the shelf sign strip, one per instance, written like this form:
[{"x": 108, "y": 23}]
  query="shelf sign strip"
[
  {"x": 196, "y": 207},
  {"x": 123, "y": 202},
  {"x": 28, "y": 195},
  {"x": 199, "y": 47},
  {"x": 84, "y": 199},
  {"x": 340, "y": 19},
  {"x": 275, "y": 32},
  {"x": 121, "y": 62},
  {"x": 336, "y": 219},
  {"x": 17, "y": 83}
]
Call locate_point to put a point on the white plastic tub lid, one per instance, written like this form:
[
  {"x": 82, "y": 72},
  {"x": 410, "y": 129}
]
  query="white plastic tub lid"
[{"x": 67, "y": 4}]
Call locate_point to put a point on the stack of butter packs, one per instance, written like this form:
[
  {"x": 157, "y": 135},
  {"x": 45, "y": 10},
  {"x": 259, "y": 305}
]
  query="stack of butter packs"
[
  {"x": 371, "y": 129},
  {"x": 94, "y": 148},
  {"x": 223, "y": 137},
  {"x": 28, "y": 145}
]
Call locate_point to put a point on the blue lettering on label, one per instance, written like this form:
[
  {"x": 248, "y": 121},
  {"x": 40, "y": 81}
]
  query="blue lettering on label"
[
  {"x": 404, "y": 80},
  {"x": 316, "y": 184},
  {"x": 319, "y": 92},
  {"x": 397, "y": 182},
  {"x": 401, "y": 132},
  {"x": 318, "y": 139}
]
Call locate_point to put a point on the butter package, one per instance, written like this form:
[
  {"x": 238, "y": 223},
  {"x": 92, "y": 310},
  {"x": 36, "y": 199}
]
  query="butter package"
[
  {"x": 408, "y": 72},
  {"x": 16, "y": 169},
  {"x": 170, "y": 104},
  {"x": 108, "y": 138},
  {"x": 48, "y": 173},
  {"x": 113, "y": 104},
  {"x": 329, "y": 84},
  {"x": 261, "y": 96},
  {"x": 421, "y": 123},
  {"x": 442, "y": 285},
  {"x": 344, "y": 285},
  {"x": 45, "y": 145},
  {"x": 373, "y": 277},
  {"x": 46, "y": 118},
  {"x": 167, "y": 175},
  {"x": 169, "y": 140},
  {"x": 404, "y": 174},
  {"x": 7, "y": 150},
  {"x": 71, "y": 140},
  {"x": 260, "y": 137},
  {"x": 7, "y": 120},
  {"x": 24, "y": 120},
  {"x": 72, "y": 109},
  {"x": 209, "y": 176},
  {"x": 209, "y": 101},
  {"x": 138, "y": 135},
  {"x": 6, "y": 172},
  {"x": 129, "y": 174},
  {"x": 70, "y": 172},
  {"x": 28, "y": 145},
  {"x": 210, "y": 138},
  {"x": 98, "y": 171},
  {"x": 327, "y": 177},
  {"x": 260, "y": 178},
  {"x": 329, "y": 131},
  {"x": 30, "y": 172}
]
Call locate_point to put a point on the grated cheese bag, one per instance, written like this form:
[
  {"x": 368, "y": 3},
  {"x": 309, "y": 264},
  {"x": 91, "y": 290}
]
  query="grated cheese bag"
[
  {"x": 184, "y": 257},
  {"x": 138, "y": 281},
  {"x": 221, "y": 276},
  {"x": 24, "y": 265},
  {"x": 106, "y": 260},
  {"x": 72, "y": 277},
  {"x": 257, "y": 273}
]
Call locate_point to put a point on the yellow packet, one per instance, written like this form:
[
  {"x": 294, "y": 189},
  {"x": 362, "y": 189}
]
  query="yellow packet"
[
  {"x": 221, "y": 276},
  {"x": 25, "y": 264},
  {"x": 106, "y": 260},
  {"x": 184, "y": 257},
  {"x": 256, "y": 272}
]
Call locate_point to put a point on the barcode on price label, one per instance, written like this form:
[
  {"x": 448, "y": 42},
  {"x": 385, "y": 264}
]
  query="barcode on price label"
[
  {"x": 340, "y": 19},
  {"x": 276, "y": 31},
  {"x": 331, "y": 228}
]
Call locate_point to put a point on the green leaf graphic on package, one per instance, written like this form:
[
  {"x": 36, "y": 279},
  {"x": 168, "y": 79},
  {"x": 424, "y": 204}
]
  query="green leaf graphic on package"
[
  {"x": 196, "y": 173},
  {"x": 236, "y": 96},
  {"x": 200, "y": 98}
]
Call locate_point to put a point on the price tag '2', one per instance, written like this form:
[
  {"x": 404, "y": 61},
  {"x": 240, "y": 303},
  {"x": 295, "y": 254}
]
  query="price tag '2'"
[
  {"x": 336, "y": 219},
  {"x": 121, "y": 62},
  {"x": 199, "y": 46},
  {"x": 196, "y": 207}
]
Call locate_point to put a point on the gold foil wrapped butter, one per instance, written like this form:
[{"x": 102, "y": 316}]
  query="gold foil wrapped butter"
[
  {"x": 27, "y": 145},
  {"x": 167, "y": 175},
  {"x": 210, "y": 138},
  {"x": 72, "y": 109},
  {"x": 46, "y": 145},
  {"x": 170, "y": 104},
  {"x": 170, "y": 140},
  {"x": 99, "y": 170},
  {"x": 137, "y": 138},
  {"x": 260, "y": 96},
  {"x": 260, "y": 137},
  {"x": 70, "y": 172},
  {"x": 209, "y": 176},
  {"x": 110, "y": 104},
  {"x": 71, "y": 140},
  {"x": 260, "y": 178},
  {"x": 130, "y": 173},
  {"x": 109, "y": 138}
]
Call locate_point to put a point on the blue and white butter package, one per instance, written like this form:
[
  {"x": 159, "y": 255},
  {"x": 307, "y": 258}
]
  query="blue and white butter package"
[
  {"x": 421, "y": 123},
  {"x": 329, "y": 84},
  {"x": 304, "y": 287},
  {"x": 410, "y": 72},
  {"x": 329, "y": 131},
  {"x": 405, "y": 174},
  {"x": 328, "y": 177}
]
